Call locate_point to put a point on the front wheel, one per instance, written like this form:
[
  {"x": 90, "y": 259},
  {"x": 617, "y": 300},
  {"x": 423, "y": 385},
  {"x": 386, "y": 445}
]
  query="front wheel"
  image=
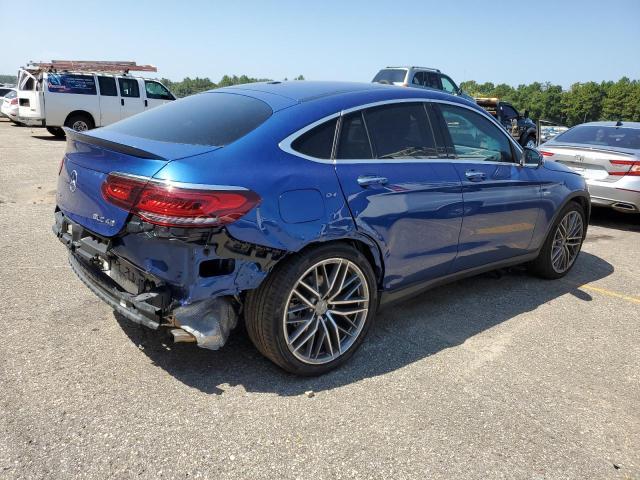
[
  {"x": 563, "y": 244},
  {"x": 79, "y": 122},
  {"x": 314, "y": 310},
  {"x": 56, "y": 132}
]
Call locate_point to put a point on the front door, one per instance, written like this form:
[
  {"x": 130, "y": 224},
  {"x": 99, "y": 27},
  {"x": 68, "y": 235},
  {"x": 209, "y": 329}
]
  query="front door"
[
  {"x": 130, "y": 101},
  {"x": 401, "y": 190},
  {"x": 502, "y": 200}
]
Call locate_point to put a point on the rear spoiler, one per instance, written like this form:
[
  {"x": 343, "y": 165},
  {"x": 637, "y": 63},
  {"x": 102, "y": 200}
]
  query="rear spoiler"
[{"x": 74, "y": 136}]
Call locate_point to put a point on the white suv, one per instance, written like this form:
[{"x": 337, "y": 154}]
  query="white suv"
[
  {"x": 420, "y": 77},
  {"x": 84, "y": 100}
]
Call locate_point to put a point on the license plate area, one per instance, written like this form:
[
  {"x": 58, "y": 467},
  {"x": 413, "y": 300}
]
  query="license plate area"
[{"x": 124, "y": 274}]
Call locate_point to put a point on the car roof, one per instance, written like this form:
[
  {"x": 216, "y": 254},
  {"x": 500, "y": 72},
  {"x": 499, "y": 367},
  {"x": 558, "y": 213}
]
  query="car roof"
[
  {"x": 611, "y": 124},
  {"x": 305, "y": 91}
]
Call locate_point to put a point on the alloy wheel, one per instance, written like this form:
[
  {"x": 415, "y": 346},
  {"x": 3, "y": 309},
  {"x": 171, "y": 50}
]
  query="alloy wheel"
[
  {"x": 567, "y": 241},
  {"x": 326, "y": 311},
  {"x": 80, "y": 126}
]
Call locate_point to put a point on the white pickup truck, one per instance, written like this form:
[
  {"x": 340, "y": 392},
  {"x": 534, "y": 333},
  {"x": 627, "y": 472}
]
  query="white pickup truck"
[{"x": 84, "y": 96}]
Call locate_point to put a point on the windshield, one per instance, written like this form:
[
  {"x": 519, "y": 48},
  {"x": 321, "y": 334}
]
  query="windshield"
[
  {"x": 390, "y": 75},
  {"x": 215, "y": 118},
  {"x": 602, "y": 136}
]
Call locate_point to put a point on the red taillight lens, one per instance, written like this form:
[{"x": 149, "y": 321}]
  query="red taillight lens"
[
  {"x": 634, "y": 168},
  {"x": 14, "y": 101},
  {"x": 175, "y": 206},
  {"x": 546, "y": 154}
]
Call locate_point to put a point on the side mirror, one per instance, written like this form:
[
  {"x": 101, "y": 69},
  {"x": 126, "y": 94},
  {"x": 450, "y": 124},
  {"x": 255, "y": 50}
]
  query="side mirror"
[{"x": 531, "y": 156}]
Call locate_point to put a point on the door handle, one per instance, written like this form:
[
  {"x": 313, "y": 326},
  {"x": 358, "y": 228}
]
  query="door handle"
[
  {"x": 366, "y": 180},
  {"x": 146, "y": 104},
  {"x": 122, "y": 102},
  {"x": 474, "y": 175}
]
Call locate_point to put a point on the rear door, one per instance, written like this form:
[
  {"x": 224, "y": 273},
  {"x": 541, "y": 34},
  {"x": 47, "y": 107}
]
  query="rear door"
[
  {"x": 30, "y": 98},
  {"x": 401, "y": 190},
  {"x": 502, "y": 200},
  {"x": 130, "y": 99},
  {"x": 109, "y": 100},
  {"x": 156, "y": 94}
]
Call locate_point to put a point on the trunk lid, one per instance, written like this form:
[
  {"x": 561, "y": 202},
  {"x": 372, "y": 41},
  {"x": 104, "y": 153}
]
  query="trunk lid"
[
  {"x": 591, "y": 163},
  {"x": 88, "y": 161}
]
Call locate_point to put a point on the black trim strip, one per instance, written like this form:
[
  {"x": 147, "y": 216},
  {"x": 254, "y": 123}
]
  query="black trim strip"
[{"x": 108, "y": 144}]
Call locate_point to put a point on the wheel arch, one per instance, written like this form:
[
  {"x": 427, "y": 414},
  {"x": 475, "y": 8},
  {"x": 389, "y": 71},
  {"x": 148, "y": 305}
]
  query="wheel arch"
[{"x": 80, "y": 112}]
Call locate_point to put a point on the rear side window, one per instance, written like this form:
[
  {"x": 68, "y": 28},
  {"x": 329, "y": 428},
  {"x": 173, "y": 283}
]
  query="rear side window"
[
  {"x": 107, "y": 86},
  {"x": 11, "y": 94},
  {"x": 390, "y": 75},
  {"x": 317, "y": 142},
  {"x": 4, "y": 92},
  {"x": 354, "y": 141},
  {"x": 157, "y": 91},
  {"x": 602, "y": 136},
  {"x": 129, "y": 87},
  {"x": 204, "y": 119},
  {"x": 71, "y": 83},
  {"x": 474, "y": 136},
  {"x": 401, "y": 131}
]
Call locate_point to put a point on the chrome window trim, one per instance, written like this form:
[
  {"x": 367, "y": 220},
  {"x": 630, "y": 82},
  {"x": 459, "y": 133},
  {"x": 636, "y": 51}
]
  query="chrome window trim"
[
  {"x": 285, "y": 144},
  {"x": 186, "y": 186}
]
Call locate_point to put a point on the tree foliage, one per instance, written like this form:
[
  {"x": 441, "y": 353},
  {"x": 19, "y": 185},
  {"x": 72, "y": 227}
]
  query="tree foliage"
[
  {"x": 582, "y": 102},
  {"x": 12, "y": 79},
  {"x": 189, "y": 86}
]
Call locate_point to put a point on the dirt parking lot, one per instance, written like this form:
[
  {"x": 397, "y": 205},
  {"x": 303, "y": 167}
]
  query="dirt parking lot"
[{"x": 492, "y": 377}]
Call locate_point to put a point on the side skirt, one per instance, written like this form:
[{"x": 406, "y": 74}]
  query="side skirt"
[{"x": 393, "y": 296}]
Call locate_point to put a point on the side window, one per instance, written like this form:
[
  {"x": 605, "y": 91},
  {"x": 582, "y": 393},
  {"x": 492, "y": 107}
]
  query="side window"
[
  {"x": 448, "y": 85},
  {"x": 107, "y": 86},
  {"x": 129, "y": 87},
  {"x": 71, "y": 83},
  {"x": 317, "y": 142},
  {"x": 431, "y": 80},
  {"x": 418, "y": 79},
  {"x": 474, "y": 136},
  {"x": 354, "y": 141},
  {"x": 401, "y": 130},
  {"x": 157, "y": 91},
  {"x": 508, "y": 112}
]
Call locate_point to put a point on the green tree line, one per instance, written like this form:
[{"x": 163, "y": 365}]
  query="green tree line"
[
  {"x": 582, "y": 102},
  {"x": 189, "y": 86}
]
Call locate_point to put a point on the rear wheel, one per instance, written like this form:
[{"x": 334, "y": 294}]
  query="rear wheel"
[
  {"x": 314, "y": 310},
  {"x": 563, "y": 243},
  {"x": 56, "y": 131},
  {"x": 80, "y": 122},
  {"x": 530, "y": 142}
]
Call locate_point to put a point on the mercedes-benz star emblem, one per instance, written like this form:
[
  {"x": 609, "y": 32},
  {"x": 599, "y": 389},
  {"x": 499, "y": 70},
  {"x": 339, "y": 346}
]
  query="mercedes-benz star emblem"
[{"x": 73, "y": 184}]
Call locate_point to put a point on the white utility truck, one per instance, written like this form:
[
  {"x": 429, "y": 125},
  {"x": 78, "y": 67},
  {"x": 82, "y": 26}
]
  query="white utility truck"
[{"x": 85, "y": 94}]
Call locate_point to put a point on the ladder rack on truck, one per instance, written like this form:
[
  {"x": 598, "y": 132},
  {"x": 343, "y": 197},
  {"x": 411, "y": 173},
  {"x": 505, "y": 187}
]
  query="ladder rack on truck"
[{"x": 88, "y": 66}]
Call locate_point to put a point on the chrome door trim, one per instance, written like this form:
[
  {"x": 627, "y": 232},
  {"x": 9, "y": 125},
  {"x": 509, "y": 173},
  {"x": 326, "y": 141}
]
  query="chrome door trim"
[{"x": 285, "y": 144}]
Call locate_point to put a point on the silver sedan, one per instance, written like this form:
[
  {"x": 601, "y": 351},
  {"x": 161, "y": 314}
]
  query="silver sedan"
[{"x": 607, "y": 154}]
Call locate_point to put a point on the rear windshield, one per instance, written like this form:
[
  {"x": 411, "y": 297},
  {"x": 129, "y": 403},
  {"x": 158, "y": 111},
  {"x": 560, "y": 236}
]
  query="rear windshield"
[
  {"x": 602, "y": 136},
  {"x": 4, "y": 91},
  {"x": 203, "y": 119},
  {"x": 11, "y": 94},
  {"x": 390, "y": 75}
]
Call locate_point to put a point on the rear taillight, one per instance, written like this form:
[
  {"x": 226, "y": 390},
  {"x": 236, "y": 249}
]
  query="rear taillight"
[
  {"x": 634, "y": 168},
  {"x": 14, "y": 101},
  {"x": 177, "y": 205},
  {"x": 546, "y": 154}
]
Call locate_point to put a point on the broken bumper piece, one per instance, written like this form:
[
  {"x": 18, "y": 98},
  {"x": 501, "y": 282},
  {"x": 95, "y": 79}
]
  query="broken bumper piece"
[{"x": 209, "y": 321}]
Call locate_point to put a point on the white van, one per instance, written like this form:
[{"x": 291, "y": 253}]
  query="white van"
[{"x": 83, "y": 100}]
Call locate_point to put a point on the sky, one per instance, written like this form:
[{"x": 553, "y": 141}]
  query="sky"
[{"x": 513, "y": 42}]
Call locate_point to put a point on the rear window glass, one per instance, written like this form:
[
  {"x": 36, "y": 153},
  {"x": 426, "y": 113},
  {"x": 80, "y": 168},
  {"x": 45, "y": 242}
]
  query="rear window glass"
[
  {"x": 354, "y": 141},
  {"x": 107, "y": 86},
  {"x": 602, "y": 136},
  {"x": 203, "y": 119},
  {"x": 317, "y": 142},
  {"x": 390, "y": 75},
  {"x": 11, "y": 94},
  {"x": 4, "y": 91},
  {"x": 71, "y": 83}
]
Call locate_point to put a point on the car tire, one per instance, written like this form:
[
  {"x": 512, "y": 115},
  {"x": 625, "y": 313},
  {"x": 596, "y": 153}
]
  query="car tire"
[
  {"x": 80, "y": 122},
  {"x": 278, "y": 320},
  {"x": 563, "y": 243},
  {"x": 56, "y": 132}
]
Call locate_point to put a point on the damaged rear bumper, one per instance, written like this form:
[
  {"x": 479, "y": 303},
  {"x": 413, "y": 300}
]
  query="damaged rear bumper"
[{"x": 141, "y": 297}]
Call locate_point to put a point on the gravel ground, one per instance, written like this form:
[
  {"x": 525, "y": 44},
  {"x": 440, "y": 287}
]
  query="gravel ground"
[{"x": 491, "y": 377}]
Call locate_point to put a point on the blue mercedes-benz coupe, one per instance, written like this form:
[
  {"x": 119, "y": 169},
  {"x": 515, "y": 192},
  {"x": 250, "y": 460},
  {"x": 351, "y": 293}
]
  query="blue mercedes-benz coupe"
[{"x": 300, "y": 207}]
